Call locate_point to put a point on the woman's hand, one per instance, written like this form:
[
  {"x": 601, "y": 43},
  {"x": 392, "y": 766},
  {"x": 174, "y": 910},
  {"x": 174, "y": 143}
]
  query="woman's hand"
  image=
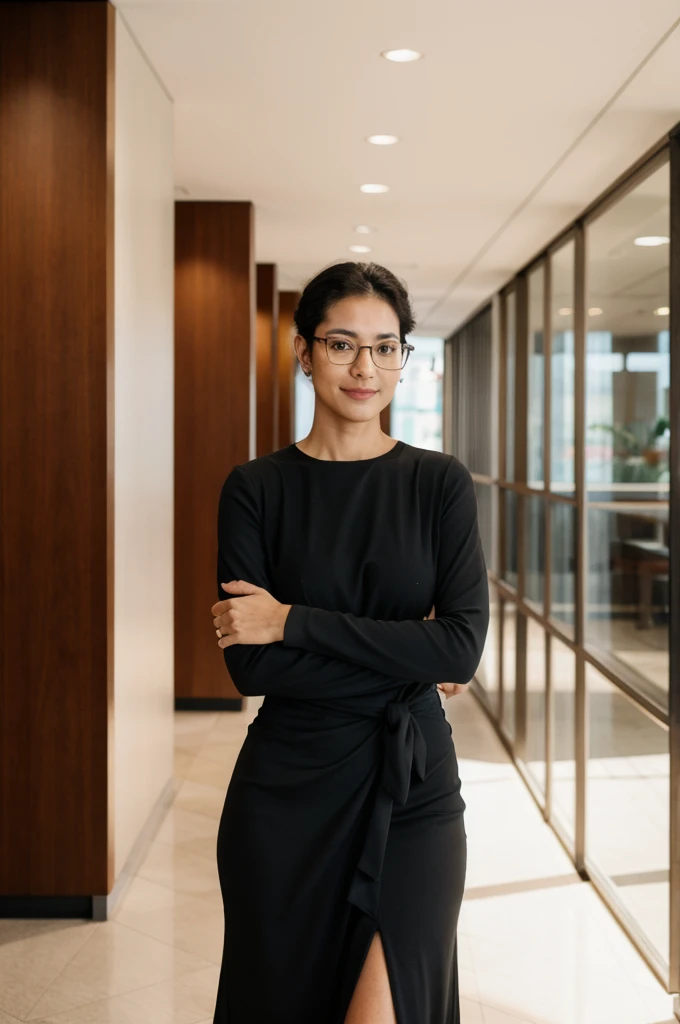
[
  {"x": 451, "y": 689},
  {"x": 448, "y": 689},
  {"x": 256, "y": 619}
]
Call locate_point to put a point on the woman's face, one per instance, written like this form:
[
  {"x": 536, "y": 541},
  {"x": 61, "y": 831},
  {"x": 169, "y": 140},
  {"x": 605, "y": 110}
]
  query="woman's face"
[{"x": 370, "y": 321}]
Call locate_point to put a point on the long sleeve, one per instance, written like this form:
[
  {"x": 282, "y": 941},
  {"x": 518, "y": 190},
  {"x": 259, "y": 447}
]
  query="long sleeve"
[
  {"x": 447, "y": 648},
  {"x": 258, "y": 669}
]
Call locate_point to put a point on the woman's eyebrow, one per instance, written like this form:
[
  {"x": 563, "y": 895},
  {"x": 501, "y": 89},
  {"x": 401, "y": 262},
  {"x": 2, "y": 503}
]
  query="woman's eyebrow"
[{"x": 353, "y": 334}]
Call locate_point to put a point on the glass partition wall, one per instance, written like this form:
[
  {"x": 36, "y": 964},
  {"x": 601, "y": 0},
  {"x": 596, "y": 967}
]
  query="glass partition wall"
[{"x": 565, "y": 408}]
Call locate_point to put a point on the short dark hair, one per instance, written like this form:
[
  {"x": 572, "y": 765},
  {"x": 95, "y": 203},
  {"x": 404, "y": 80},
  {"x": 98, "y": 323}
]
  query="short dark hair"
[{"x": 341, "y": 280}]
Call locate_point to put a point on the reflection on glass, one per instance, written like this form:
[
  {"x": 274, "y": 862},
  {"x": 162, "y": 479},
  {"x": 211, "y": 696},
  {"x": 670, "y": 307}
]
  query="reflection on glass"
[
  {"x": 628, "y": 803},
  {"x": 628, "y": 430},
  {"x": 628, "y": 593},
  {"x": 488, "y": 673},
  {"x": 535, "y": 724},
  {"x": 536, "y": 370},
  {"x": 563, "y": 565},
  {"x": 535, "y": 551},
  {"x": 562, "y": 371},
  {"x": 510, "y": 570},
  {"x": 509, "y": 671},
  {"x": 510, "y": 350},
  {"x": 563, "y": 679}
]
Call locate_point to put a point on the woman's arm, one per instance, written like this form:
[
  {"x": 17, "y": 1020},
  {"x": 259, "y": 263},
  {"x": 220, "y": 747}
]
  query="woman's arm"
[
  {"x": 448, "y": 647},
  {"x": 270, "y": 668}
]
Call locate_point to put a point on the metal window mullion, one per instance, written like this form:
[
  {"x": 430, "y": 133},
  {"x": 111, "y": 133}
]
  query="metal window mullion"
[
  {"x": 520, "y": 475},
  {"x": 580, "y": 709},
  {"x": 674, "y": 568}
]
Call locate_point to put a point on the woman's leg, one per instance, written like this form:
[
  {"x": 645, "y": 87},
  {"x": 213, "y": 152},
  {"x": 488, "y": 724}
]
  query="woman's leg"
[{"x": 372, "y": 999}]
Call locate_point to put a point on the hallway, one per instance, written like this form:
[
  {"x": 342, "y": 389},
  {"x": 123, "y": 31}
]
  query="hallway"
[{"x": 537, "y": 945}]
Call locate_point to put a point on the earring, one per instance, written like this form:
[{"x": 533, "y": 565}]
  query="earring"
[{"x": 400, "y": 379}]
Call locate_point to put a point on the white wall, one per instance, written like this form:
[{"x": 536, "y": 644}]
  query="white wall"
[{"x": 144, "y": 442}]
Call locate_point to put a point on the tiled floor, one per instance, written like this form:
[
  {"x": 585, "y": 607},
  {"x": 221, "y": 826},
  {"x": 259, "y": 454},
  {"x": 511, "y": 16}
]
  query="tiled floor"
[{"x": 536, "y": 944}]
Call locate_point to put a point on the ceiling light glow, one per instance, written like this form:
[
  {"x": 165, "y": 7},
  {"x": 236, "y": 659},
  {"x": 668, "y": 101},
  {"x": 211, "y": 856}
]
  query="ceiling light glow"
[
  {"x": 565, "y": 311},
  {"x": 364, "y": 229},
  {"x": 375, "y": 188},
  {"x": 594, "y": 311},
  {"x": 359, "y": 248},
  {"x": 648, "y": 240},
  {"x": 662, "y": 311},
  {"x": 383, "y": 140},
  {"x": 401, "y": 56}
]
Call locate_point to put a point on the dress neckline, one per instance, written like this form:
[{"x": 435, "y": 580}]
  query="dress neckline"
[{"x": 392, "y": 453}]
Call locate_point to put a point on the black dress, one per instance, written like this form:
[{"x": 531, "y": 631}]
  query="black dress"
[{"x": 344, "y": 813}]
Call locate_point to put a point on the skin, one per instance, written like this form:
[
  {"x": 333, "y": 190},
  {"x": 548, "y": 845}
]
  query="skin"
[{"x": 342, "y": 429}]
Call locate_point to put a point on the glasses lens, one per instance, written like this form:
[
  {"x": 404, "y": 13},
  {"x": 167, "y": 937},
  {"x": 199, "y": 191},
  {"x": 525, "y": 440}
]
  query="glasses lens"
[
  {"x": 386, "y": 354},
  {"x": 341, "y": 350}
]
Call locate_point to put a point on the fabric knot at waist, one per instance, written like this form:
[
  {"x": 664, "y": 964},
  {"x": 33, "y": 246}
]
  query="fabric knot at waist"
[{"x": 404, "y": 751}]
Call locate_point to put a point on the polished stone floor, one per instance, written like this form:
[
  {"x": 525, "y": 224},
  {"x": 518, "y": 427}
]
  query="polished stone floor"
[{"x": 536, "y": 944}]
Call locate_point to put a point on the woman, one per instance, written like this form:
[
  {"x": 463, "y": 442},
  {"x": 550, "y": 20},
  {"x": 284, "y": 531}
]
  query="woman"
[{"x": 341, "y": 848}]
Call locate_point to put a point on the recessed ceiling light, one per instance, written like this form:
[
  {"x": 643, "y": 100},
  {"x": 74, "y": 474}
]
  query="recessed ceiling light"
[
  {"x": 375, "y": 188},
  {"x": 359, "y": 248},
  {"x": 652, "y": 240},
  {"x": 594, "y": 311},
  {"x": 662, "y": 311},
  {"x": 364, "y": 229},
  {"x": 383, "y": 140},
  {"x": 565, "y": 311},
  {"x": 401, "y": 56}
]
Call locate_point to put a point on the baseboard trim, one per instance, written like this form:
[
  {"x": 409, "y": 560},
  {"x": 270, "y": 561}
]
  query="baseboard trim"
[{"x": 208, "y": 704}]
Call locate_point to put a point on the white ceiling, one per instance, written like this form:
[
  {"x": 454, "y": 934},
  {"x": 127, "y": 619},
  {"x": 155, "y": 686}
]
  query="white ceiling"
[{"x": 517, "y": 117}]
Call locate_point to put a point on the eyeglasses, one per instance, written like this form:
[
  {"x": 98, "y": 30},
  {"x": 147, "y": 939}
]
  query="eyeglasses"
[{"x": 387, "y": 355}]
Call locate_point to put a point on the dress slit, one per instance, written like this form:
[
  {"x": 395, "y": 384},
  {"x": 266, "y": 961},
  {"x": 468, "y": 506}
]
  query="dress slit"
[
  {"x": 391, "y": 975},
  {"x": 365, "y": 932}
]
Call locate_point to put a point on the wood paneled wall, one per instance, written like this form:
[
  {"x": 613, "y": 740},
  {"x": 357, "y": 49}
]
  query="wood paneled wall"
[
  {"x": 287, "y": 365},
  {"x": 215, "y": 421},
  {"x": 56, "y": 455},
  {"x": 267, "y": 335}
]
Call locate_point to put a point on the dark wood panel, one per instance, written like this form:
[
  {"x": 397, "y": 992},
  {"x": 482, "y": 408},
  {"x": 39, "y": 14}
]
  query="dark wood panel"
[
  {"x": 56, "y": 342},
  {"x": 267, "y": 362},
  {"x": 214, "y": 416},
  {"x": 287, "y": 365}
]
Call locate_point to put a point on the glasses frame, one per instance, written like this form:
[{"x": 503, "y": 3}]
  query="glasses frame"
[{"x": 405, "y": 347}]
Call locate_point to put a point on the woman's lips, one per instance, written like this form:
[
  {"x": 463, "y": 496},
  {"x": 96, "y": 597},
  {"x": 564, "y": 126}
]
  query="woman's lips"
[{"x": 360, "y": 395}]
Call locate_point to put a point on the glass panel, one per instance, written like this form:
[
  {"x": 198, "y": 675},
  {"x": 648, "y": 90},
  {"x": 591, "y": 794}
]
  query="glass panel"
[
  {"x": 304, "y": 402},
  {"x": 510, "y": 571},
  {"x": 563, "y": 565},
  {"x": 535, "y": 724},
  {"x": 563, "y": 679},
  {"x": 628, "y": 804},
  {"x": 509, "y": 669},
  {"x": 535, "y": 551},
  {"x": 488, "y": 672},
  {"x": 510, "y": 386},
  {"x": 473, "y": 425},
  {"x": 484, "y": 498},
  {"x": 562, "y": 371},
  {"x": 627, "y": 611},
  {"x": 627, "y": 428},
  {"x": 535, "y": 371},
  {"x": 416, "y": 409}
]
